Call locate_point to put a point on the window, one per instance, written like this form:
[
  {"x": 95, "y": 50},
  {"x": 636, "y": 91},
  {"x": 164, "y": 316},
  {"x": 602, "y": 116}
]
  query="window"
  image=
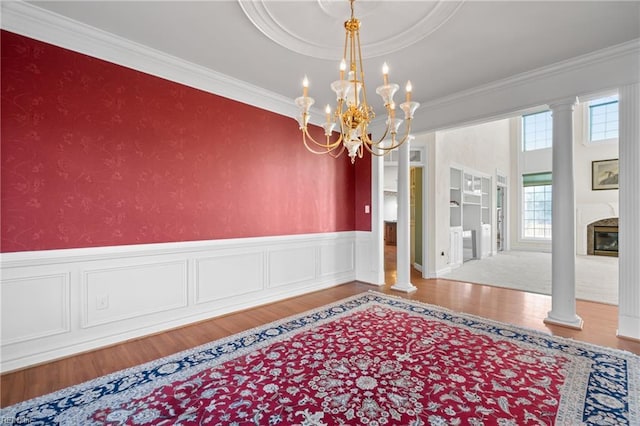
[
  {"x": 536, "y": 212},
  {"x": 603, "y": 119},
  {"x": 537, "y": 130}
]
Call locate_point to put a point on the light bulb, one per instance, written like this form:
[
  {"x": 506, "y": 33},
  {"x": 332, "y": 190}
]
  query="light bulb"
[{"x": 385, "y": 73}]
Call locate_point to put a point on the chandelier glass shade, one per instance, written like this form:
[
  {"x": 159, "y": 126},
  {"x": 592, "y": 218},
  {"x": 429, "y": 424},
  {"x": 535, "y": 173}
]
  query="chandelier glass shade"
[{"x": 347, "y": 128}]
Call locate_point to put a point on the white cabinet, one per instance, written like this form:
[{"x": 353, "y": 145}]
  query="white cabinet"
[{"x": 455, "y": 246}]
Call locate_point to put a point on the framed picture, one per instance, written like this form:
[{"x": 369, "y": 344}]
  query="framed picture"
[{"x": 604, "y": 174}]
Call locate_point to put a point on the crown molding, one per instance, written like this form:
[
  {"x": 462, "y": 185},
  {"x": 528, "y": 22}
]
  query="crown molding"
[
  {"x": 37, "y": 23},
  {"x": 40, "y": 24},
  {"x": 628, "y": 48}
]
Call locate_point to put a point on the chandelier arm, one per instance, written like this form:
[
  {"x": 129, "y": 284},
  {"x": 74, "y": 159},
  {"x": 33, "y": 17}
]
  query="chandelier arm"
[
  {"x": 395, "y": 143},
  {"x": 338, "y": 154},
  {"x": 329, "y": 146},
  {"x": 384, "y": 135},
  {"x": 372, "y": 151},
  {"x": 365, "y": 137},
  {"x": 327, "y": 149}
]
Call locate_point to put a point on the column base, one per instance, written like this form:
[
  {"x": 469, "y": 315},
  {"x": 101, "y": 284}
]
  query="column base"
[
  {"x": 574, "y": 323},
  {"x": 629, "y": 327},
  {"x": 406, "y": 288},
  {"x": 631, "y": 339}
]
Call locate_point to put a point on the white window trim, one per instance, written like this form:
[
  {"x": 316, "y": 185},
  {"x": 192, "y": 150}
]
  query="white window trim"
[
  {"x": 521, "y": 213},
  {"x": 522, "y": 141},
  {"x": 586, "y": 121},
  {"x": 517, "y": 240}
]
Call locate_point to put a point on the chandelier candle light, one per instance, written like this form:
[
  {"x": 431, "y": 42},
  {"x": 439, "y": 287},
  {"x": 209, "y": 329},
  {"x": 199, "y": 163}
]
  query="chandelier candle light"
[{"x": 353, "y": 113}]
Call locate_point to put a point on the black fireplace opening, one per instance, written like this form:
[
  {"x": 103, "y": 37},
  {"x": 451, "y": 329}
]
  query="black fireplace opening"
[{"x": 605, "y": 240}]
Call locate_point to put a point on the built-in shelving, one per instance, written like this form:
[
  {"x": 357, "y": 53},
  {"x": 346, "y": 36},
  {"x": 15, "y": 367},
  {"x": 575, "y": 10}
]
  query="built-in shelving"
[
  {"x": 469, "y": 214},
  {"x": 455, "y": 198},
  {"x": 485, "y": 202}
]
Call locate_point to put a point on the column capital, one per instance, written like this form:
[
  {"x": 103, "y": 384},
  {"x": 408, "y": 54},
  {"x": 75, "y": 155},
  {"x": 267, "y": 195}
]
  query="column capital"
[{"x": 563, "y": 103}]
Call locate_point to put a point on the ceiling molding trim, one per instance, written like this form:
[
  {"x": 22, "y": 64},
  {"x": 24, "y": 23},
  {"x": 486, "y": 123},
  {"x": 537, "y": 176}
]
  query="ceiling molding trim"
[
  {"x": 597, "y": 72},
  {"x": 604, "y": 55},
  {"x": 37, "y": 23},
  {"x": 31, "y": 21}
]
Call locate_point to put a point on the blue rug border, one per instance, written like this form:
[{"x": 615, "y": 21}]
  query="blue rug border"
[{"x": 613, "y": 361}]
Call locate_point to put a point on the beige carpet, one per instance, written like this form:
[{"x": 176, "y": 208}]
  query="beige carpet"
[{"x": 596, "y": 276}]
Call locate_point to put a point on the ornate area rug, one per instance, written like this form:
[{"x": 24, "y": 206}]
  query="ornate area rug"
[{"x": 371, "y": 359}]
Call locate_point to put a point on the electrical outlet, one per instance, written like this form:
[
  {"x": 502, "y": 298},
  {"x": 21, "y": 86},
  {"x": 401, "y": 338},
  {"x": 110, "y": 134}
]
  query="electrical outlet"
[
  {"x": 367, "y": 209},
  {"x": 102, "y": 302}
]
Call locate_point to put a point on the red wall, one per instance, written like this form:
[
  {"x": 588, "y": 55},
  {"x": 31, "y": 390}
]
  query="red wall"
[
  {"x": 95, "y": 154},
  {"x": 363, "y": 192}
]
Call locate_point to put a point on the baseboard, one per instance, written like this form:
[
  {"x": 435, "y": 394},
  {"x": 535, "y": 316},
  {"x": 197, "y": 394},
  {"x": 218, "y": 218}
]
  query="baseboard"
[{"x": 443, "y": 271}]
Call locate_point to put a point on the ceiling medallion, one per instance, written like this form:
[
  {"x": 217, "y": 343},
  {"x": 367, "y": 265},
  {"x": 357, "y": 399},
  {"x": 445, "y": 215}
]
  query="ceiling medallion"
[{"x": 391, "y": 26}]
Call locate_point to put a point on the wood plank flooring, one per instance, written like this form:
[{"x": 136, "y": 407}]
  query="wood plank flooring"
[{"x": 511, "y": 306}]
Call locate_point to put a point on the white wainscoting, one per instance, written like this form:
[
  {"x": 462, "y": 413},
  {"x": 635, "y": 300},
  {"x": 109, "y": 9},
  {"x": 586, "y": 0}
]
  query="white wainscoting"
[
  {"x": 57, "y": 303},
  {"x": 370, "y": 257}
]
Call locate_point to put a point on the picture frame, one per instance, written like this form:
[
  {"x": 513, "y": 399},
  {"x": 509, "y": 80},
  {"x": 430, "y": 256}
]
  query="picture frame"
[{"x": 604, "y": 174}]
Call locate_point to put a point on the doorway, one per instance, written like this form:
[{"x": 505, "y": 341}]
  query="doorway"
[{"x": 416, "y": 212}]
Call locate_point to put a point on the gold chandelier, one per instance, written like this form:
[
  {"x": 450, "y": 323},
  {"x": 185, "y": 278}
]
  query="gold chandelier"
[{"x": 353, "y": 113}]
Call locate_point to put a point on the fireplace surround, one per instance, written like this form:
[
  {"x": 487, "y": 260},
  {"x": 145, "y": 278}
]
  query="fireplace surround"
[{"x": 602, "y": 237}]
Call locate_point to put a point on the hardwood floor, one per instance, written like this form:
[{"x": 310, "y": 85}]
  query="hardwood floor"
[{"x": 511, "y": 306}]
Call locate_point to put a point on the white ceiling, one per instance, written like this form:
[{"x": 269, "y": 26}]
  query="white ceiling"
[{"x": 442, "y": 47}]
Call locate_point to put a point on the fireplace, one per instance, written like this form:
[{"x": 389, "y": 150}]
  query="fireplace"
[
  {"x": 602, "y": 237},
  {"x": 605, "y": 240}
]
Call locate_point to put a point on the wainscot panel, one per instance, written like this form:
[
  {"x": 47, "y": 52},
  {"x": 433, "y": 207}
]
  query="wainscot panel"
[
  {"x": 369, "y": 258},
  {"x": 225, "y": 276},
  {"x": 293, "y": 265},
  {"x": 115, "y": 294},
  {"x": 25, "y": 317},
  {"x": 337, "y": 258},
  {"x": 57, "y": 303}
]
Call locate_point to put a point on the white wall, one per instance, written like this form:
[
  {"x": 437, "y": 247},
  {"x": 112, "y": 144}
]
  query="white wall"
[
  {"x": 590, "y": 205},
  {"x": 390, "y": 206},
  {"x": 390, "y": 193},
  {"x": 483, "y": 148}
]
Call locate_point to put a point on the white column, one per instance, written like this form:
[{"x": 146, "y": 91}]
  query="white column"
[
  {"x": 629, "y": 223},
  {"x": 403, "y": 281},
  {"x": 377, "y": 221},
  {"x": 563, "y": 257}
]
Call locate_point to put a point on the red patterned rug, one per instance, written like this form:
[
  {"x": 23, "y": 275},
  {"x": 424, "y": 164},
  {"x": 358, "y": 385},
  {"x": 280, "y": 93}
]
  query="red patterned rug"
[{"x": 371, "y": 360}]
